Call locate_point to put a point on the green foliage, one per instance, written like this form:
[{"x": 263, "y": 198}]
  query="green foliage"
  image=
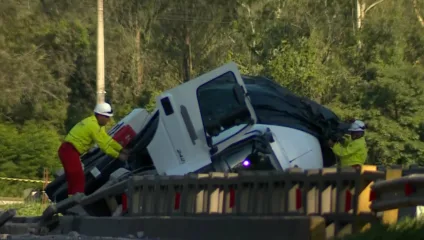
[
  {"x": 27, "y": 149},
  {"x": 298, "y": 67},
  {"x": 17, "y": 189},
  {"x": 27, "y": 209},
  {"x": 406, "y": 229},
  {"x": 392, "y": 105}
]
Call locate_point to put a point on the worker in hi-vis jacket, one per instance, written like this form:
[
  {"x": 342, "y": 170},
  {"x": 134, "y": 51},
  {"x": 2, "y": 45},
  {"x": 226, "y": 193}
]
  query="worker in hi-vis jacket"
[
  {"x": 80, "y": 139},
  {"x": 353, "y": 150}
]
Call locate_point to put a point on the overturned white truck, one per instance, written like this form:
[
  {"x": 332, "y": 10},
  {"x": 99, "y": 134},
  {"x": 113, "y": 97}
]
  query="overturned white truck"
[{"x": 222, "y": 122}]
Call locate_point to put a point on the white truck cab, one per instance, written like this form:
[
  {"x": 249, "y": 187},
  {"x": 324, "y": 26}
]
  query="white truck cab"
[{"x": 192, "y": 133}]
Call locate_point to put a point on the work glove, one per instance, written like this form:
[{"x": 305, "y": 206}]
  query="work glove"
[
  {"x": 125, "y": 151},
  {"x": 330, "y": 143},
  {"x": 345, "y": 139},
  {"x": 123, "y": 156}
]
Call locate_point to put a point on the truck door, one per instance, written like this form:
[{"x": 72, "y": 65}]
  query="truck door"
[
  {"x": 203, "y": 116},
  {"x": 224, "y": 106}
]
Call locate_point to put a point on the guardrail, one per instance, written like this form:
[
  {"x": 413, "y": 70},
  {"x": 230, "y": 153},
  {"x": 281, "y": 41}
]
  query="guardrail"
[
  {"x": 340, "y": 196},
  {"x": 251, "y": 193},
  {"x": 394, "y": 195},
  {"x": 397, "y": 193}
]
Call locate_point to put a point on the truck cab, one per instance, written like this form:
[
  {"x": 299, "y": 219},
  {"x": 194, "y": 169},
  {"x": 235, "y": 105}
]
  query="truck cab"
[
  {"x": 191, "y": 129},
  {"x": 209, "y": 124}
]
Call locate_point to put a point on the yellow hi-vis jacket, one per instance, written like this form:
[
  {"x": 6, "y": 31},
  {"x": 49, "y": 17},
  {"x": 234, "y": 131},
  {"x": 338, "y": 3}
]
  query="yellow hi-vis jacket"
[
  {"x": 351, "y": 152},
  {"x": 87, "y": 132}
]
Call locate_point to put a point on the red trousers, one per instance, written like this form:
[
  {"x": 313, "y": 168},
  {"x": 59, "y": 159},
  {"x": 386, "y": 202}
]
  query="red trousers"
[{"x": 72, "y": 166}]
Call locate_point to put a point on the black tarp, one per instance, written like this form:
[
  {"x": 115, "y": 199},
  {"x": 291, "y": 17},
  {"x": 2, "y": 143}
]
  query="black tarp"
[{"x": 276, "y": 105}]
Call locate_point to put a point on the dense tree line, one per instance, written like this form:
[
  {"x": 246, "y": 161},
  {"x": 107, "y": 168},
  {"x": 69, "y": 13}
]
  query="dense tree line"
[{"x": 361, "y": 58}]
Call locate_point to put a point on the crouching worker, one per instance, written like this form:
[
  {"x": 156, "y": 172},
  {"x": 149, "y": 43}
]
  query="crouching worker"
[
  {"x": 353, "y": 151},
  {"x": 80, "y": 139}
]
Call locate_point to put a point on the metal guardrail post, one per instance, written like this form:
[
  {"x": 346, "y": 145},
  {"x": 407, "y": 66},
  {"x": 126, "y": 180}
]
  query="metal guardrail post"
[
  {"x": 325, "y": 190},
  {"x": 285, "y": 192},
  {"x": 161, "y": 197},
  {"x": 132, "y": 196},
  {"x": 243, "y": 193},
  {"x": 149, "y": 186},
  {"x": 258, "y": 192},
  {"x": 312, "y": 194},
  {"x": 196, "y": 193},
  {"x": 391, "y": 216},
  {"x": 368, "y": 174},
  {"x": 363, "y": 197},
  {"x": 230, "y": 190},
  {"x": 169, "y": 194},
  {"x": 177, "y": 194},
  {"x": 278, "y": 195},
  {"x": 336, "y": 183},
  {"x": 294, "y": 187},
  {"x": 135, "y": 193},
  {"x": 215, "y": 196}
]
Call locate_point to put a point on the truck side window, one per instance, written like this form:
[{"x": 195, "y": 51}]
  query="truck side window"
[{"x": 220, "y": 108}]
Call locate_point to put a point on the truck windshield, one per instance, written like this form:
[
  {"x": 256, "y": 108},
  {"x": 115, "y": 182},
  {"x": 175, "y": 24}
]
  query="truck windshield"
[{"x": 223, "y": 114}]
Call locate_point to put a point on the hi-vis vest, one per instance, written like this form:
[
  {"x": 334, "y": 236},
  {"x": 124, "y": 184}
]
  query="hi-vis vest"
[
  {"x": 351, "y": 152},
  {"x": 87, "y": 132}
]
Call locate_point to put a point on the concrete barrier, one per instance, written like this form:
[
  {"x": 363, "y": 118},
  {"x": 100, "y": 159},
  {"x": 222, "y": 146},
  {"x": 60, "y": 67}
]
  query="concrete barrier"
[{"x": 200, "y": 227}]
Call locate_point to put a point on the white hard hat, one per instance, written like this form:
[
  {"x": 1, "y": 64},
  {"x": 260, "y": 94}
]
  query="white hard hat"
[
  {"x": 357, "y": 126},
  {"x": 104, "y": 109}
]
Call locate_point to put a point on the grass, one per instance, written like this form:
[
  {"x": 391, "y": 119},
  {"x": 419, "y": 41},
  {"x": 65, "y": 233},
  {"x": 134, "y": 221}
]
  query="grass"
[
  {"x": 26, "y": 209},
  {"x": 410, "y": 229}
]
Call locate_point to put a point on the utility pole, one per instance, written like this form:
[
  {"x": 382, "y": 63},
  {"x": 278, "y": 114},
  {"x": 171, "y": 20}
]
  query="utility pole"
[{"x": 100, "y": 54}]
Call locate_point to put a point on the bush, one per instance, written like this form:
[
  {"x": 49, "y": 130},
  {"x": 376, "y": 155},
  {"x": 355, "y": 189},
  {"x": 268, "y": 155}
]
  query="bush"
[{"x": 27, "y": 150}]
